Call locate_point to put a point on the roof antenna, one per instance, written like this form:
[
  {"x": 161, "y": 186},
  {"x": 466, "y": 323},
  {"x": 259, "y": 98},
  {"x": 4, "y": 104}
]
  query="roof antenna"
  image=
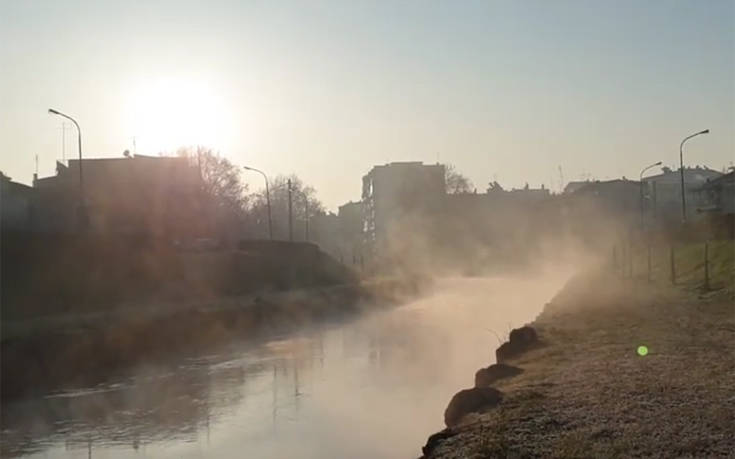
[
  {"x": 63, "y": 142},
  {"x": 561, "y": 179}
]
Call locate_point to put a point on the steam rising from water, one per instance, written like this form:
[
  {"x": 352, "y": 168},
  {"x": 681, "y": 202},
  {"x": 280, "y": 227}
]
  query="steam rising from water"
[{"x": 375, "y": 387}]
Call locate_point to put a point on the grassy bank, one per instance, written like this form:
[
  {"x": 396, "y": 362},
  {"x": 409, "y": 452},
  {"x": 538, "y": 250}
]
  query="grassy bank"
[
  {"x": 70, "y": 350},
  {"x": 53, "y": 274},
  {"x": 586, "y": 391},
  {"x": 76, "y": 307},
  {"x": 689, "y": 264}
]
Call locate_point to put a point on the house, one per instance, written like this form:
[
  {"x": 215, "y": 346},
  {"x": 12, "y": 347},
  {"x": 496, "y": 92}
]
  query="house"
[
  {"x": 351, "y": 226},
  {"x": 340, "y": 234},
  {"x": 324, "y": 231},
  {"x": 350, "y": 220},
  {"x": 664, "y": 191},
  {"x": 159, "y": 196},
  {"x": 16, "y": 201},
  {"x": 573, "y": 186},
  {"x": 498, "y": 218},
  {"x": 600, "y": 210},
  {"x": 615, "y": 195},
  {"x": 718, "y": 195}
]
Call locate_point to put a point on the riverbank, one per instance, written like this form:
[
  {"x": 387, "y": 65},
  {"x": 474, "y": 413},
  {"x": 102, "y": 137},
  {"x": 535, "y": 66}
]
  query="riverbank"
[
  {"x": 56, "y": 352},
  {"x": 589, "y": 389}
]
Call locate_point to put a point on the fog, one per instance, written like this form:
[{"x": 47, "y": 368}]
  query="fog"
[{"x": 373, "y": 387}]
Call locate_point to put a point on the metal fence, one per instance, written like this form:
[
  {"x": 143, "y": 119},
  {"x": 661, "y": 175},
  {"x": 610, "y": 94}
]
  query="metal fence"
[{"x": 707, "y": 265}]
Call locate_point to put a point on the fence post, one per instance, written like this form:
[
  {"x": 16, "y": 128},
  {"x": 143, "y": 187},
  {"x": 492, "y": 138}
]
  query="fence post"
[
  {"x": 614, "y": 258},
  {"x": 649, "y": 262},
  {"x": 653, "y": 201},
  {"x": 630, "y": 258},
  {"x": 673, "y": 265},
  {"x": 706, "y": 265}
]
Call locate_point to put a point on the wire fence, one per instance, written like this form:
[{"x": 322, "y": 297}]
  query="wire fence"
[{"x": 707, "y": 265}]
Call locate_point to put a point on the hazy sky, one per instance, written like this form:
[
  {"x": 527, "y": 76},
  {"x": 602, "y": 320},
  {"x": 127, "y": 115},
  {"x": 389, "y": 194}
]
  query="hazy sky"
[{"x": 502, "y": 89}]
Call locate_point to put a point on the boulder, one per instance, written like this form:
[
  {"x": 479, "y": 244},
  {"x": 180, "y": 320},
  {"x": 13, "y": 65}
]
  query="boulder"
[
  {"x": 520, "y": 340},
  {"x": 434, "y": 440},
  {"x": 486, "y": 376},
  {"x": 525, "y": 334},
  {"x": 472, "y": 400}
]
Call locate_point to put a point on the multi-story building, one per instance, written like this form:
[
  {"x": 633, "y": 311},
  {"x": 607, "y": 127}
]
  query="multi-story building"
[{"x": 397, "y": 192}]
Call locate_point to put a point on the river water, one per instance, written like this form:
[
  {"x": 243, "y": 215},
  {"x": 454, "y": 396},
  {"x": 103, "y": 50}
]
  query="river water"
[{"x": 374, "y": 387}]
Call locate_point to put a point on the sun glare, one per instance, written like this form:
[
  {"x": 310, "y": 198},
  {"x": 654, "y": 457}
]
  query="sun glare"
[{"x": 168, "y": 113}]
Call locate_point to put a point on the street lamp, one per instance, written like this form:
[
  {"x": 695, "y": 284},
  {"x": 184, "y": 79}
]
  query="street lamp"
[
  {"x": 681, "y": 170},
  {"x": 267, "y": 199},
  {"x": 640, "y": 180},
  {"x": 82, "y": 216}
]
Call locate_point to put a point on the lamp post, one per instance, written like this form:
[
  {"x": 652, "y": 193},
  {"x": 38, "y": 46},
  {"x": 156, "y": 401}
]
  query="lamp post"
[
  {"x": 640, "y": 180},
  {"x": 82, "y": 215},
  {"x": 681, "y": 170},
  {"x": 267, "y": 199}
]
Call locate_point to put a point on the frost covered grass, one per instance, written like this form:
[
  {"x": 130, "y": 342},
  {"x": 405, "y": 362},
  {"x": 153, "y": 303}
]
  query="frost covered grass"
[{"x": 587, "y": 393}]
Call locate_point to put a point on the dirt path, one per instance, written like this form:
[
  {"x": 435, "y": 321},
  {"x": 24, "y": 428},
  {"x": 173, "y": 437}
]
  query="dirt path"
[{"x": 587, "y": 393}]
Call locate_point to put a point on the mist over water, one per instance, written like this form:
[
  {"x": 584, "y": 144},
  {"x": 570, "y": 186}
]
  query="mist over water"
[{"x": 373, "y": 387}]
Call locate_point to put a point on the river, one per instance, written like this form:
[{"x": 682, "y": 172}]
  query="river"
[{"x": 374, "y": 387}]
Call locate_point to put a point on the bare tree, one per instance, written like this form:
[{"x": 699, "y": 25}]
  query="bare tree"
[
  {"x": 221, "y": 180},
  {"x": 222, "y": 188},
  {"x": 304, "y": 204},
  {"x": 455, "y": 181}
]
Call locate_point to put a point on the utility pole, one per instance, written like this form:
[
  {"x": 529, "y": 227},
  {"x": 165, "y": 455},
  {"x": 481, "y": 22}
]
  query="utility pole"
[
  {"x": 290, "y": 213},
  {"x": 306, "y": 217},
  {"x": 706, "y": 265}
]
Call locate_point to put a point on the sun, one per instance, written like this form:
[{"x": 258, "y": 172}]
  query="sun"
[{"x": 167, "y": 113}]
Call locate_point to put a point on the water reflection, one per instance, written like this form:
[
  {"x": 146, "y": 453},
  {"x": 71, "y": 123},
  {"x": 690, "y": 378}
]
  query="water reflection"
[{"x": 375, "y": 387}]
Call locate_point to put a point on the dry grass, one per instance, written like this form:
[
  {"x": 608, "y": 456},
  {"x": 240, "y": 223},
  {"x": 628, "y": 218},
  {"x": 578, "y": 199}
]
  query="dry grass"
[{"x": 587, "y": 393}]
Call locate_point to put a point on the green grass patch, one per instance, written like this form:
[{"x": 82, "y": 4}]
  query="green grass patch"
[{"x": 689, "y": 262}]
